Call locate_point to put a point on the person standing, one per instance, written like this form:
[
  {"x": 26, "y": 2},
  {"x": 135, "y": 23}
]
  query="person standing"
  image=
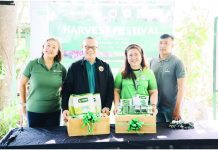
[
  {"x": 170, "y": 74},
  {"x": 89, "y": 75},
  {"x": 45, "y": 75},
  {"x": 136, "y": 78}
]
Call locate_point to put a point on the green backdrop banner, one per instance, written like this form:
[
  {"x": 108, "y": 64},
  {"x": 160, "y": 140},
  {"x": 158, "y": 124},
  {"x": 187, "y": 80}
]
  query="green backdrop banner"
[{"x": 114, "y": 23}]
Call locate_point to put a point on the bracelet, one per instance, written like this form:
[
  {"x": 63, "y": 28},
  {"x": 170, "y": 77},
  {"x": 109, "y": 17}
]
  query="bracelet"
[{"x": 153, "y": 105}]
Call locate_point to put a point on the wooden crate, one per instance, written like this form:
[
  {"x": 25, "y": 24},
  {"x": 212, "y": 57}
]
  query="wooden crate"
[
  {"x": 122, "y": 123},
  {"x": 74, "y": 127}
]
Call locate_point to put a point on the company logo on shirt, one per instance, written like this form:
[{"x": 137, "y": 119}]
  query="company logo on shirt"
[
  {"x": 101, "y": 68},
  {"x": 57, "y": 71},
  {"x": 167, "y": 70},
  {"x": 143, "y": 78}
]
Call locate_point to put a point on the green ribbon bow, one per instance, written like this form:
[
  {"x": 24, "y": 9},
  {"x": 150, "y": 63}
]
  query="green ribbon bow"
[
  {"x": 135, "y": 125},
  {"x": 88, "y": 120}
]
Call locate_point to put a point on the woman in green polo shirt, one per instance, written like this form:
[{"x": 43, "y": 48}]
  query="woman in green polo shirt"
[
  {"x": 136, "y": 78},
  {"x": 45, "y": 76}
]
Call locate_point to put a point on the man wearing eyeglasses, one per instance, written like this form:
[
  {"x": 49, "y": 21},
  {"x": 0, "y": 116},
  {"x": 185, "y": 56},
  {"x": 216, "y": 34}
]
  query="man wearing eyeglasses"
[{"x": 89, "y": 75}]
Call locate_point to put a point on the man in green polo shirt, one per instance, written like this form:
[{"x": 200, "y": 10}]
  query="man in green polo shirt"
[{"x": 170, "y": 74}]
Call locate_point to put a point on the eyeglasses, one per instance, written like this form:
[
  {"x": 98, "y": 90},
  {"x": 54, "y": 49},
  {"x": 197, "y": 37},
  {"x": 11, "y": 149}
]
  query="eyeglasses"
[{"x": 92, "y": 47}]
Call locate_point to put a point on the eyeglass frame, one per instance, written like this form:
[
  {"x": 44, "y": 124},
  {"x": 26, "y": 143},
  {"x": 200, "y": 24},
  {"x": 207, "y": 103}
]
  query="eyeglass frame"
[{"x": 92, "y": 47}]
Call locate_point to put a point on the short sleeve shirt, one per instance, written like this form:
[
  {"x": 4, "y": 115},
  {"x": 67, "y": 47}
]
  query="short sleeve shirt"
[
  {"x": 145, "y": 81},
  {"x": 167, "y": 72},
  {"x": 44, "y": 90}
]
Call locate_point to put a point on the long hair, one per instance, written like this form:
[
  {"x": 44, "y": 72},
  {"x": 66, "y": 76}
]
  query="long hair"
[
  {"x": 58, "y": 57},
  {"x": 128, "y": 72}
]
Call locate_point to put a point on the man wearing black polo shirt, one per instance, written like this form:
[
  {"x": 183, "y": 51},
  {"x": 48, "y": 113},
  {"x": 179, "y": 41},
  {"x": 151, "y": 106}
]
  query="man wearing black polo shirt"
[
  {"x": 89, "y": 75},
  {"x": 170, "y": 75}
]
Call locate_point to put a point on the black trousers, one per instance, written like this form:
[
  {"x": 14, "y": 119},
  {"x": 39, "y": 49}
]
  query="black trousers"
[{"x": 43, "y": 119}]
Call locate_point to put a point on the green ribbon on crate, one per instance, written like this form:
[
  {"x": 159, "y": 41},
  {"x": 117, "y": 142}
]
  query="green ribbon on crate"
[
  {"x": 89, "y": 119},
  {"x": 135, "y": 125}
]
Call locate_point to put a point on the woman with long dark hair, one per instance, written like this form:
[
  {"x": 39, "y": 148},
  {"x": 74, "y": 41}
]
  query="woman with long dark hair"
[{"x": 135, "y": 79}]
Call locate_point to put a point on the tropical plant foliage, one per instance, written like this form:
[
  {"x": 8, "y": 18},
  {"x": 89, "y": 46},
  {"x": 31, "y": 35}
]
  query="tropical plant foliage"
[
  {"x": 190, "y": 45},
  {"x": 9, "y": 118}
]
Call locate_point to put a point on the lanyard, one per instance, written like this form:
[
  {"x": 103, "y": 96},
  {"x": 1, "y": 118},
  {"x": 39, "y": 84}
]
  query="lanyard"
[
  {"x": 136, "y": 87},
  {"x": 136, "y": 82}
]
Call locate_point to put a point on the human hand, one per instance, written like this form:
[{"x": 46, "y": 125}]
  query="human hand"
[
  {"x": 65, "y": 115},
  {"x": 106, "y": 110},
  {"x": 176, "y": 115},
  {"x": 115, "y": 110},
  {"x": 154, "y": 110}
]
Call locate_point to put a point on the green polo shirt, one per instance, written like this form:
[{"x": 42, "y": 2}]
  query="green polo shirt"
[
  {"x": 44, "y": 92},
  {"x": 145, "y": 81},
  {"x": 90, "y": 68}
]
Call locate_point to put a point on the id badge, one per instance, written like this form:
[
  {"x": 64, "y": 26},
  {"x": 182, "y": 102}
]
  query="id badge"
[
  {"x": 144, "y": 100},
  {"x": 136, "y": 101}
]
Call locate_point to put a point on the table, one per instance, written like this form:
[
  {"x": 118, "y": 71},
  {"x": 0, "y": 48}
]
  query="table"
[{"x": 204, "y": 135}]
